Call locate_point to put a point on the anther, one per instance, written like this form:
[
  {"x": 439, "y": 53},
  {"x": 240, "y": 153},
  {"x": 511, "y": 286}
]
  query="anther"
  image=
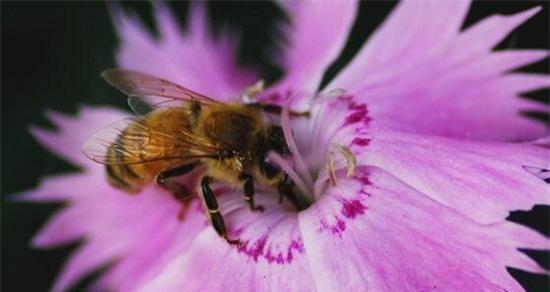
[
  {"x": 249, "y": 94},
  {"x": 330, "y": 167},
  {"x": 351, "y": 162}
]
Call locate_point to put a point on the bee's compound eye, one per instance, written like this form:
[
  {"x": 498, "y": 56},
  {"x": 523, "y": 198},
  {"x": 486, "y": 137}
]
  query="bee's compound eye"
[{"x": 270, "y": 170}]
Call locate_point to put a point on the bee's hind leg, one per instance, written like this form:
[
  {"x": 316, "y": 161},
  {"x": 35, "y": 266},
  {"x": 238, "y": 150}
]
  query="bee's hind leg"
[
  {"x": 248, "y": 188},
  {"x": 178, "y": 190},
  {"x": 213, "y": 210}
]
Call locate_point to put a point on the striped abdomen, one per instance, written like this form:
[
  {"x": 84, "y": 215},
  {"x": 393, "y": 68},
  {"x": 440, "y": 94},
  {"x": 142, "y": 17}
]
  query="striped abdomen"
[{"x": 137, "y": 147}]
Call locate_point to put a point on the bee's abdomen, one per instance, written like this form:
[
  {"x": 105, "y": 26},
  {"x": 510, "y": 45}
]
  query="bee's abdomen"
[
  {"x": 127, "y": 177},
  {"x": 122, "y": 177},
  {"x": 137, "y": 154}
]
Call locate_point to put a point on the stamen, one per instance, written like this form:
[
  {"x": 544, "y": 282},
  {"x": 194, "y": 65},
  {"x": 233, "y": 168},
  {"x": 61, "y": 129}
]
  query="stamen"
[
  {"x": 348, "y": 156},
  {"x": 350, "y": 159},
  {"x": 249, "y": 94},
  {"x": 330, "y": 168},
  {"x": 296, "y": 156},
  {"x": 319, "y": 186},
  {"x": 286, "y": 167},
  {"x": 323, "y": 102}
]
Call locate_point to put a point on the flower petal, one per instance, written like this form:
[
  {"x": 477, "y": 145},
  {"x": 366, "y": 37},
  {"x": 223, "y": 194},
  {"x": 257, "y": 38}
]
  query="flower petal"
[
  {"x": 271, "y": 257},
  {"x": 85, "y": 260},
  {"x": 411, "y": 33},
  {"x": 119, "y": 230},
  {"x": 341, "y": 120},
  {"x": 118, "y": 227},
  {"x": 421, "y": 74},
  {"x": 61, "y": 229},
  {"x": 72, "y": 132},
  {"x": 54, "y": 188},
  {"x": 150, "y": 253},
  {"x": 317, "y": 35},
  {"x": 484, "y": 181},
  {"x": 397, "y": 239},
  {"x": 193, "y": 59},
  {"x": 542, "y": 141}
]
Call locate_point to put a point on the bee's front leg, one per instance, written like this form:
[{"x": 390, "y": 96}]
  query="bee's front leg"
[
  {"x": 213, "y": 210},
  {"x": 248, "y": 188}
]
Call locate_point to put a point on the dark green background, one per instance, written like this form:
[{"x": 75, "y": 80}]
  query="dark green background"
[{"x": 52, "y": 54}]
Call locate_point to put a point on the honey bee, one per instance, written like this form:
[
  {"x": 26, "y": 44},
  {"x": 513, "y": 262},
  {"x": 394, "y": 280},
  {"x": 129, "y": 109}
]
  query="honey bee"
[{"x": 228, "y": 142}]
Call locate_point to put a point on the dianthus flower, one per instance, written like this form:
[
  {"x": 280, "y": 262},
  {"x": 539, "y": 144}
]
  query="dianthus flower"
[{"x": 429, "y": 112}]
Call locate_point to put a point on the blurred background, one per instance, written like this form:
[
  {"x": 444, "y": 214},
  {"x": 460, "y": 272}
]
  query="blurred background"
[{"x": 52, "y": 54}]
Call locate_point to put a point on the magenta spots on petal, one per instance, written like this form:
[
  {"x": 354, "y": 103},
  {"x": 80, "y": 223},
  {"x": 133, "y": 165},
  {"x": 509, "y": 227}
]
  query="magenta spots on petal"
[
  {"x": 336, "y": 228},
  {"x": 355, "y": 118},
  {"x": 362, "y": 192},
  {"x": 360, "y": 141},
  {"x": 297, "y": 245},
  {"x": 341, "y": 225},
  {"x": 363, "y": 179},
  {"x": 352, "y": 208},
  {"x": 358, "y": 107},
  {"x": 289, "y": 256},
  {"x": 256, "y": 250},
  {"x": 280, "y": 259},
  {"x": 359, "y": 113},
  {"x": 274, "y": 258}
]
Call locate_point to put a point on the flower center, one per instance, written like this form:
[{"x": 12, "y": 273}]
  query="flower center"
[
  {"x": 322, "y": 147},
  {"x": 306, "y": 172}
]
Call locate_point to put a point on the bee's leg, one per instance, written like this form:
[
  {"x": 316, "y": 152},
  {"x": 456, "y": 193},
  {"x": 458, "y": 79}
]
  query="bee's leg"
[
  {"x": 179, "y": 191},
  {"x": 213, "y": 211},
  {"x": 177, "y": 171},
  {"x": 248, "y": 187},
  {"x": 283, "y": 188},
  {"x": 274, "y": 109},
  {"x": 285, "y": 191}
]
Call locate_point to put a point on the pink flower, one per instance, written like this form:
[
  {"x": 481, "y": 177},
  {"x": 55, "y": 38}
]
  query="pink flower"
[{"x": 430, "y": 113}]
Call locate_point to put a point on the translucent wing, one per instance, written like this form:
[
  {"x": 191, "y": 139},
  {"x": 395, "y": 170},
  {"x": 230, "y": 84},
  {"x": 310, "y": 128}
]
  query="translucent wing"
[
  {"x": 134, "y": 83},
  {"x": 135, "y": 141},
  {"x": 142, "y": 106},
  {"x": 139, "y": 106}
]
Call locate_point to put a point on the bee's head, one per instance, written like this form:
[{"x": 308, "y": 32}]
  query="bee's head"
[{"x": 274, "y": 141}]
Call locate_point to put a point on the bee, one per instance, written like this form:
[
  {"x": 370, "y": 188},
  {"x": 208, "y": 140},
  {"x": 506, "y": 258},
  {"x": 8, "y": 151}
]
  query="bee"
[{"x": 227, "y": 142}]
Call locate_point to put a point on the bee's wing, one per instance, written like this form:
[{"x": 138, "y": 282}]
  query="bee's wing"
[
  {"x": 142, "y": 106},
  {"x": 131, "y": 141},
  {"x": 134, "y": 83},
  {"x": 139, "y": 105}
]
